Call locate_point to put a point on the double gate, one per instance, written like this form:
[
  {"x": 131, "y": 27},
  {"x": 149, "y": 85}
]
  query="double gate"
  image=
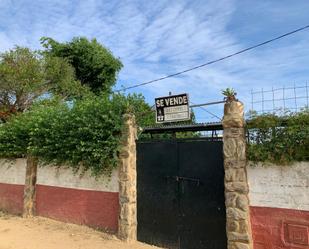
[{"x": 180, "y": 194}]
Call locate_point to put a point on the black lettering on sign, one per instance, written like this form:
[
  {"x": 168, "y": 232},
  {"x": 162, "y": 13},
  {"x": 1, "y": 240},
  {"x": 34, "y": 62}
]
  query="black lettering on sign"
[
  {"x": 173, "y": 113},
  {"x": 172, "y": 101}
]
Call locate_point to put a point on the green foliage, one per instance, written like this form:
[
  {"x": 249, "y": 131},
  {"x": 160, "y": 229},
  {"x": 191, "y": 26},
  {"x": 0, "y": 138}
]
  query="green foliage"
[
  {"x": 16, "y": 134},
  {"x": 228, "y": 92},
  {"x": 87, "y": 135},
  {"x": 82, "y": 133},
  {"x": 279, "y": 139},
  {"x": 144, "y": 114},
  {"x": 15, "y": 137},
  {"x": 94, "y": 65},
  {"x": 26, "y": 75}
]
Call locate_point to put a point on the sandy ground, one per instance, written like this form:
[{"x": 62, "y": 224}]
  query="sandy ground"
[{"x": 42, "y": 233}]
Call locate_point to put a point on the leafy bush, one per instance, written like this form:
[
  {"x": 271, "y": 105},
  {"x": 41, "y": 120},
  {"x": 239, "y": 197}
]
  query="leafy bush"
[
  {"x": 279, "y": 139},
  {"x": 85, "y": 133},
  {"x": 15, "y": 137}
]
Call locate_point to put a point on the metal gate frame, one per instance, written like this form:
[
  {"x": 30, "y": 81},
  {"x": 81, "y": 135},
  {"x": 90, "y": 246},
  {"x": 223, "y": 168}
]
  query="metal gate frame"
[
  {"x": 177, "y": 234},
  {"x": 238, "y": 225}
]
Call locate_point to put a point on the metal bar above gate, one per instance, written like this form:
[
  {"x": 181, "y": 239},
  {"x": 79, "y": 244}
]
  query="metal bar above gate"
[
  {"x": 209, "y": 103},
  {"x": 183, "y": 127}
]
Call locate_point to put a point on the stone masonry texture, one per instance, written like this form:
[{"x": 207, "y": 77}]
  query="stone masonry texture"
[
  {"x": 29, "y": 190},
  {"x": 238, "y": 225},
  {"x": 127, "y": 224}
]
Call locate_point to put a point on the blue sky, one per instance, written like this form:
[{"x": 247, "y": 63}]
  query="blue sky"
[{"x": 156, "y": 38}]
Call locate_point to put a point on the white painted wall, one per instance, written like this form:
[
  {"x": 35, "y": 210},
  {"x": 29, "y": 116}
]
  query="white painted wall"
[
  {"x": 279, "y": 186},
  {"x": 64, "y": 177},
  {"x": 13, "y": 171}
]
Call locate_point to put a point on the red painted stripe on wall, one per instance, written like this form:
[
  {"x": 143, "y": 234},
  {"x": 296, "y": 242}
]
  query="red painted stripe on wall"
[
  {"x": 279, "y": 228},
  {"x": 11, "y": 198},
  {"x": 92, "y": 208}
]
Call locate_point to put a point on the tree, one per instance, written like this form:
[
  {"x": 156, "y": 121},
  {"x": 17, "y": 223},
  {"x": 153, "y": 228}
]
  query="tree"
[
  {"x": 95, "y": 65},
  {"x": 26, "y": 75},
  {"x": 144, "y": 113}
]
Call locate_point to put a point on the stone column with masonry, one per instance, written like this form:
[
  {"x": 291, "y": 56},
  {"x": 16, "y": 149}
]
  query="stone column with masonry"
[
  {"x": 29, "y": 189},
  {"x": 127, "y": 223},
  {"x": 238, "y": 225}
]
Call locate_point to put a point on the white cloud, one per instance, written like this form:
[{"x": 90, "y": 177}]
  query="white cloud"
[{"x": 157, "y": 38}]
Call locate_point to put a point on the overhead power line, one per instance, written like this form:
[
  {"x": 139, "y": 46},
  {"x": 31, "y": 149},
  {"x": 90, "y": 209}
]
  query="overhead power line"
[
  {"x": 205, "y": 110},
  {"x": 214, "y": 61},
  {"x": 212, "y": 114}
]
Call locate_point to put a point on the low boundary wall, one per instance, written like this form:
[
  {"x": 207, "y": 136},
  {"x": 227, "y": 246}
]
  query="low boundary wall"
[
  {"x": 108, "y": 203},
  {"x": 279, "y": 200},
  {"x": 12, "y": 181},
  {"x": 63, "y": 195},
  {"x": 279, "y": 205},
  {"x": 69, "y": 197}
]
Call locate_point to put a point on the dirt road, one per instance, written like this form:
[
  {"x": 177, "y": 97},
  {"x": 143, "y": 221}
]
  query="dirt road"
[{"x": 41, "y": 233}]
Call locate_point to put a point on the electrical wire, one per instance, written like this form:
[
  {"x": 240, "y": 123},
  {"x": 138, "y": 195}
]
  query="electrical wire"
[
  {"x": 214, "y": 61},
  {"x": 212, "y": 114},
  {"x": 209, "y": 112}
]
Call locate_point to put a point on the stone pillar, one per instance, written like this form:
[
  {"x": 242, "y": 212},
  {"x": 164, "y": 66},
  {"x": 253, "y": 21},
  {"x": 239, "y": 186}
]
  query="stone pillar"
[
  {"x": 127, "y": 223},
  {"x": 29, "y": 189},
  {"x": 238, "y": 225}
]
